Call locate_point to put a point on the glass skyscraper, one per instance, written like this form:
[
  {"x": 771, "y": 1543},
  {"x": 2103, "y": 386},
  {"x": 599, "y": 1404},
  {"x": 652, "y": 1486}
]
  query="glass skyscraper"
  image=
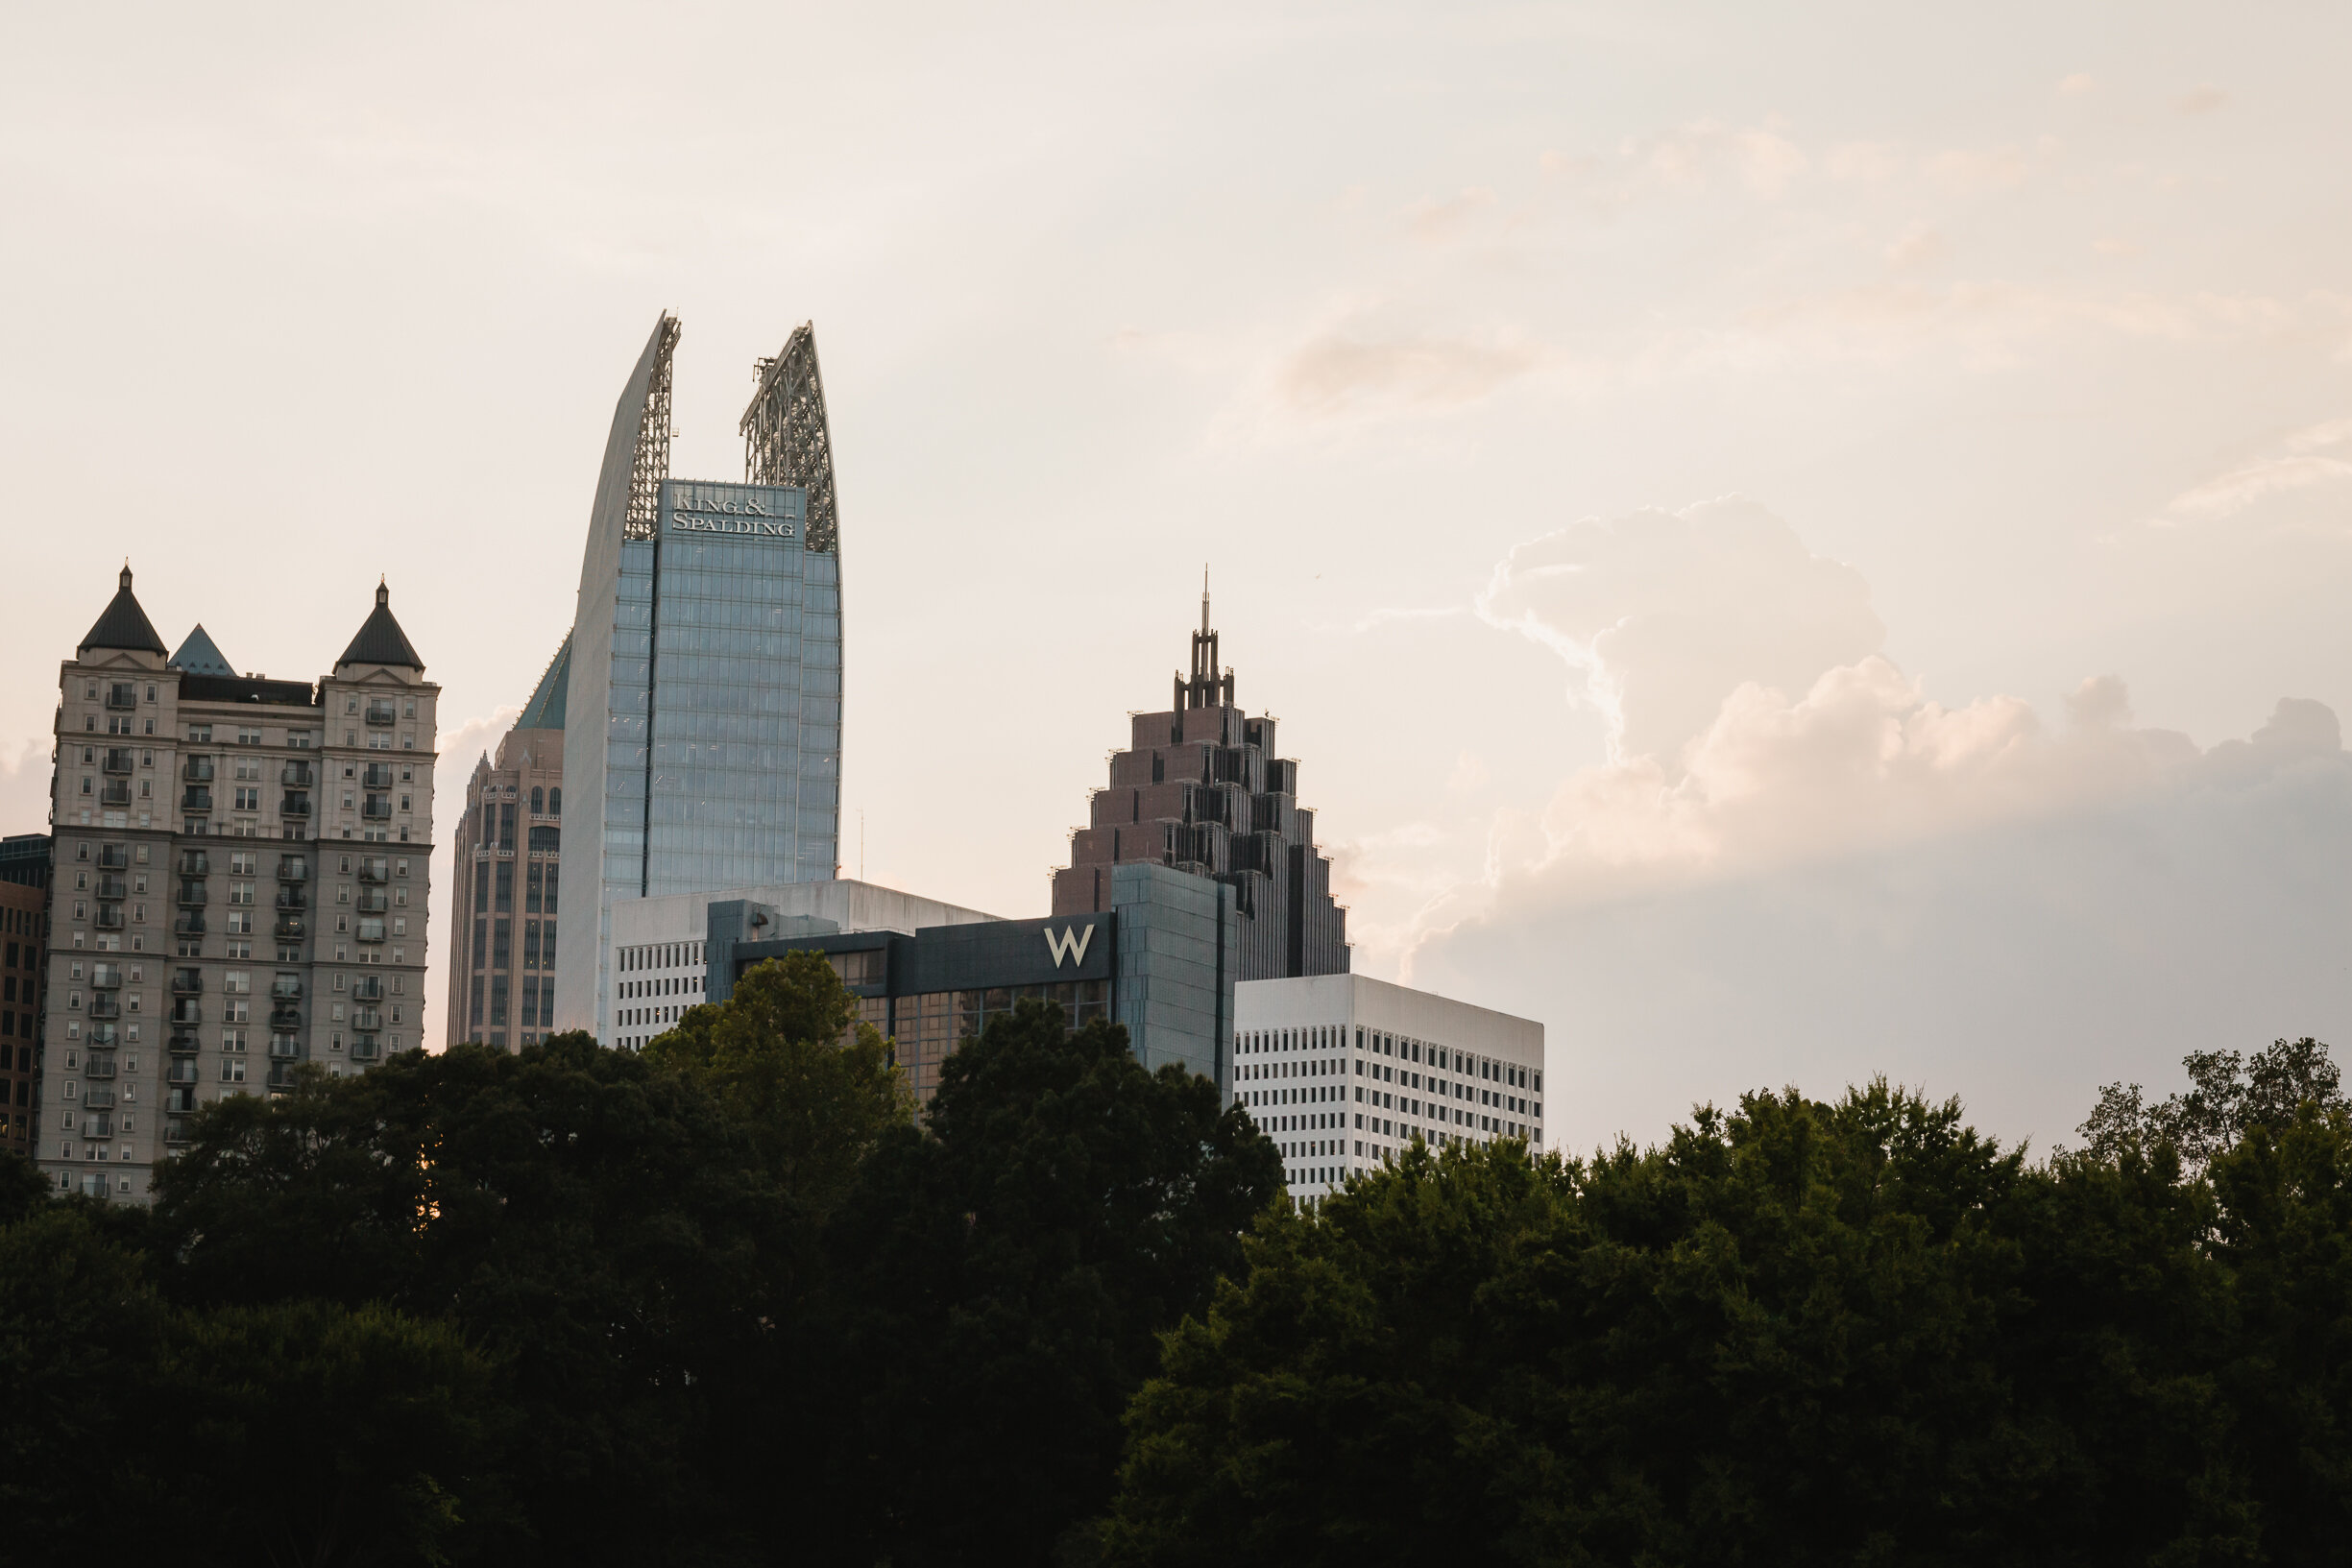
[{"x": 707, "y": 641}]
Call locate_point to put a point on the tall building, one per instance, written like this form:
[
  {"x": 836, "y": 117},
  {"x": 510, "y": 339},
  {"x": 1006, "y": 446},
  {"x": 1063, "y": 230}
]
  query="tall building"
[
  {"x": 240, "y": 883},
  {"x": 24, "y": 923},
  {"x": 704, "y": 747},
  {"x": 1201, "y": 790},
  {"x": 508, "y": 848},
  {"x": 1342, "y": 1071}
]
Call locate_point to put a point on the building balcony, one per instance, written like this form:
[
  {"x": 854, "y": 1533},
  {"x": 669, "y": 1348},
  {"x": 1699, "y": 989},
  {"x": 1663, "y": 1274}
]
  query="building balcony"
[
  {"x": 187, "y": 982},
  {"x": 285, "y": 990},
  {"x": 374, "y": 868},
  {"x": 285, "y": 1049},
  {"x": 375, "y": 808},
  {"x": 289, "y": 928},
  {"x": 120, "y": 760},
  {"x": 98, "y": 1064},
  {"x": 180, "y": 1101},
  {"x": 114, "y": 792},
  {"x": 113, "y": 857},
  {"x": 194, "y": 863},
  {"x": 95, "y": 1098},
  {"x": 98, "y": 1126},
  {"x": 292, "y": 900},
  {"x": 109, "y": 918},
  {"x": 367, "y": 1018},
  {"x": 281, "y": 1078},
  {"x": 107, "y": 977},
  {"x": 292, "y": 868},
  {"x": 122, "y": 695},
  {"x": 112, "y": 887},
  {"x": 185, "y": 1013},
  {"x": 196, "y": 798},
  {"x": 298, "y": 775},
  {"x": 106, "y": 1005},
  {"x": 193, "y": 895},
  {"x": 285, "y": 1016},
  {"x": 185, "y": 1043},
  {"x": 294, "y": 806},
  {"x": 197, "y": 770},
  {"x": 181, "y": 1073},
  {"x": 104, "y": 1037},
  {"x": 375, "y": 776},
  {"x": 372, "y": 900},
  {"x": 368, "y": 931},
  {"x": 364, "y": 1047},
  {"x": 190, "y": 923},
  {"x": 369, "y": 988},
  {"x": 177, "y": 1130},
  {"x": 380, "y": 715}
]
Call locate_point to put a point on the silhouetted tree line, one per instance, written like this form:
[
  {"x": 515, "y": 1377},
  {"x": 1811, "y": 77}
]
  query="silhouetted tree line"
[{"x": 725, "y": 1301}]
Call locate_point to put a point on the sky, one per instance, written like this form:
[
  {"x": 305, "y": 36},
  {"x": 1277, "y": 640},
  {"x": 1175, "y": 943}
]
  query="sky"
[{"x": 1791, "y": 544}]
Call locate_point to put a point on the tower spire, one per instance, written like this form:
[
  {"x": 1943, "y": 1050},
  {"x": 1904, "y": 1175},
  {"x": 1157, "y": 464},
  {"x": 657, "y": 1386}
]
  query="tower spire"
[{"x": 1204, "y": 598}]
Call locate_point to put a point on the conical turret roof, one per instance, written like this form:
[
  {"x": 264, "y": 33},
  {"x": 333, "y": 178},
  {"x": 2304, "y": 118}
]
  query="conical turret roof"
[
  {"x": 124, "y": 625},
  {"x": 381, "y": 640},
  {"x": 200, "y": 655}
]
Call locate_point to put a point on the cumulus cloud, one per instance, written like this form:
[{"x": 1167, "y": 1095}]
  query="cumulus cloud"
[
  {"x": 1827, "y": 874},
  {"x": 1658, "y": 615}
]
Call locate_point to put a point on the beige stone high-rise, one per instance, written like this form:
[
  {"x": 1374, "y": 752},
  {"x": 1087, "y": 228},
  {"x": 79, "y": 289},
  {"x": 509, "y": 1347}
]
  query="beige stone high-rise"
[{"x": 240, "y": 883}]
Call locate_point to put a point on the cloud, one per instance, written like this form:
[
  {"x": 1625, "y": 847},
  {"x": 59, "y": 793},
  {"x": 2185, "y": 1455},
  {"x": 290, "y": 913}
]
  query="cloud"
[
  {"x": 1659, "y": 614},
  {"x": 2077, "y": 84},
  {"x": 1915, "y": 247},
  {"x": 2202, "y": 100},
  {"x": 1830, "y": 873},
  {"x": 2314, "y": 456},
  {"x": 1691, "y": 156},
  {"x": 1341, "y": 372}
]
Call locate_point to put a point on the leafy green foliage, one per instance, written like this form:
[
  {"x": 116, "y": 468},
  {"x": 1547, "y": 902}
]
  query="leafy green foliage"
[
  {"x": 1805, "y": 1332},
  {"x": 2227, "y": 1096},
  {"x": 1001, "y": 1277},
  {"x": 774, "y": 1056}
]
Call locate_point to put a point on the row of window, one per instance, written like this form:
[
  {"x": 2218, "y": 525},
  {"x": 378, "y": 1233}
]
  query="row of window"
[
  {"x": 538, "y": 998},
  {"x": 494, "y": 887},
  {"x": 1372, "y": 1042},
  {"x": 494, "y": 944}
]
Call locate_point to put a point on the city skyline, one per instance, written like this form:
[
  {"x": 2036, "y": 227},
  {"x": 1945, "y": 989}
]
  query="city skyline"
[{"x": 1779, "y": 572}]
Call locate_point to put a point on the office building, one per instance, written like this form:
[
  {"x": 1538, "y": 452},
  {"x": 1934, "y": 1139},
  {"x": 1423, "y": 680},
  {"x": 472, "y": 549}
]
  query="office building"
[
  {"x": 1199, "y": 789},
  {"x": 704, "y": 747},
  {"x": 239, "y": 884},
  {"x": 1159, "y": 960},
  {"x": 507, "y": 850},
  {"x": 24, "y": 922},
  {"x": 1342, "y": 1071},
  {"x": 661, "y": 945}
]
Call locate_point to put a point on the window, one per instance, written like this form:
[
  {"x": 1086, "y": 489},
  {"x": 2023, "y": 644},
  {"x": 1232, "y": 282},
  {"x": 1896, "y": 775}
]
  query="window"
[
  {"x": 506, "y": 886},
  {"x": 539, "y": 805},
  {"x": 555, "y": 801}
]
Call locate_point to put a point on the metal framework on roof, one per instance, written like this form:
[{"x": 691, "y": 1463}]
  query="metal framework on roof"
[
  {"x": 651, "y": 464},
  {"x": 785, "y": 437}
]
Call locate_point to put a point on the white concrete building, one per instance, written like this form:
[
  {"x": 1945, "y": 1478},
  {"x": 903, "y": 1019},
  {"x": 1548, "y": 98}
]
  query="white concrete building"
[
  {"x": 1342, "y": 1071},
  {"x": 659, "y": 943}
]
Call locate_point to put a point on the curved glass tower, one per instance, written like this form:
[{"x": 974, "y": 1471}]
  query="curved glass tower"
[{"x": 708, "y": 643}]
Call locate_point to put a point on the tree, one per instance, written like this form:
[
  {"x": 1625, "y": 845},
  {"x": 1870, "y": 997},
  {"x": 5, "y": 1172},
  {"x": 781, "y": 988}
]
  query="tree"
[
  {"x": 774, "y": 1056},
  {"x": 2227, "y": 1094},
  {"x": 1803, "y": 1333},
  {"x": 1007, "y": 1270},
  {"x": 597, "y": 1226}
]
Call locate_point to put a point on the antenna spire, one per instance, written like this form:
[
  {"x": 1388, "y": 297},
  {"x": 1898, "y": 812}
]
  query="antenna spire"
[{"x": 1204, "y": 598}]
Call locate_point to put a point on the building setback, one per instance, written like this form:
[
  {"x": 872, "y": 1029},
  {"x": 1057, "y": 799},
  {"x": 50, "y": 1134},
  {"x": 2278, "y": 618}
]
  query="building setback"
[
  {"x": 507, "y": 852},
  {"x": 1199, "y": 789},
  {"x": 239, "y": 884},
  {"x": 1342, "y": 1071},
  {"x": 704, "y": 746}
]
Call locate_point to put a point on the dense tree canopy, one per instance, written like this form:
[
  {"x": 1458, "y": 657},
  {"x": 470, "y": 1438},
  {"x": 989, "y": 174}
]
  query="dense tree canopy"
[{"x": 730, "y": 1301}]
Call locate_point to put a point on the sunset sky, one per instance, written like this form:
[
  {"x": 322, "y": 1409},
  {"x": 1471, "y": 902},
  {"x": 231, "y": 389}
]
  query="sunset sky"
[{"x": 1791, "y": 543}]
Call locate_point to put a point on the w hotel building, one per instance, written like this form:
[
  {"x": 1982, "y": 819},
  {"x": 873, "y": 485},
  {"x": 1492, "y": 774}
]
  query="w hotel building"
[
  {"x": 703, "y": 742},
  {"x": 239, "y": 883}
]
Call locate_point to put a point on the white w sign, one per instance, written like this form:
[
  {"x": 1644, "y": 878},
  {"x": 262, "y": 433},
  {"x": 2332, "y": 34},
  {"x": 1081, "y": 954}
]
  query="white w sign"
[{"x": 1067, "y": 944}]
